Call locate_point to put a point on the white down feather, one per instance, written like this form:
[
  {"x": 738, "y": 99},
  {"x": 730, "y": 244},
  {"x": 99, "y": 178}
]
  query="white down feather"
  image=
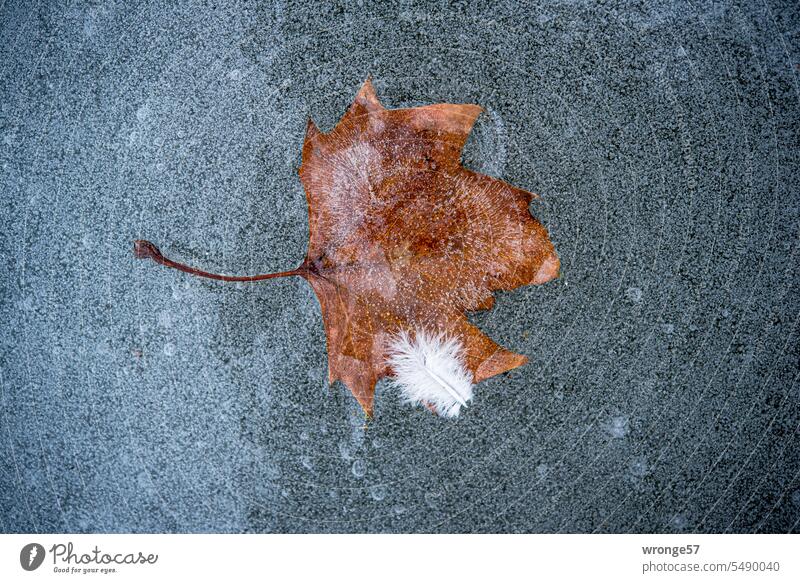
[{"x": 430, "y": 369}]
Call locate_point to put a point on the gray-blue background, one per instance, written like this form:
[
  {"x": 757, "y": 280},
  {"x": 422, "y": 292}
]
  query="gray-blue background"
[{"x": 661, "y": 393}]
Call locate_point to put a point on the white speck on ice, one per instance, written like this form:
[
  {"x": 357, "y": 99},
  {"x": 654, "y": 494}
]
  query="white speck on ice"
[
  {"x": 432, "y": 499},
  {"x": 165, "y": 319},
  {"x": 26, "y": 304},
  {"x": 617, "y": 427},
  {"x": 639, "y": 467},
  {"x": 679, "y": 521},
  {"x": 177, "y": 292},
  {"x": 142, "y": 112}
]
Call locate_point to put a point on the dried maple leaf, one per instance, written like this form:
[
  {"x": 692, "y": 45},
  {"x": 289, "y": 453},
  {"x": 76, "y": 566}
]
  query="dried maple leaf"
[{"x": 405, "y": 239}]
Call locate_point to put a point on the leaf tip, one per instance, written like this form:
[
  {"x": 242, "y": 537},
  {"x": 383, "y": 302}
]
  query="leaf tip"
[
  {"x": 312, "y": 131},
  {"x": 369, "y": 410},
  {"x": 367, "y": 97},
  {"x": 549, "y": 270},
  {"x": 499, "y": 362}
]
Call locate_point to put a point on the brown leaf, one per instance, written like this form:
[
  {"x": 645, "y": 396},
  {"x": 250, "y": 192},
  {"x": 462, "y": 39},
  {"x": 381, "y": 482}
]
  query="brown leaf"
[{"x": 404, "y": 238}]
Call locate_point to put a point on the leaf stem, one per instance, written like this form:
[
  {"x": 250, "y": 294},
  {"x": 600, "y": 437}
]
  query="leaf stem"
[{"x": 146, "y": 250}]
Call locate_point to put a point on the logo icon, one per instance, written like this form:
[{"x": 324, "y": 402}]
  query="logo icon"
[{"x": 31, "y": 556}]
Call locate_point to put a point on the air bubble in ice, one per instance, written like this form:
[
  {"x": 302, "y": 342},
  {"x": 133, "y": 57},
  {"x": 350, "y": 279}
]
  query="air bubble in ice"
[
  {"x": 634, "y": 294},
  {"x": 359, "y": 468},
  {"x": 378, "y": 492}
]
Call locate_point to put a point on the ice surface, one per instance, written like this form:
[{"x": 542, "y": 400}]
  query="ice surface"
[{"x": 661, "y": 393}]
